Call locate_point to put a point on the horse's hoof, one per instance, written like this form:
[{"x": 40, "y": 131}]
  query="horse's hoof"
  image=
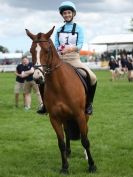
[
  {"x": 92, "y": 168},
  {"x": 64, "y": 171}
]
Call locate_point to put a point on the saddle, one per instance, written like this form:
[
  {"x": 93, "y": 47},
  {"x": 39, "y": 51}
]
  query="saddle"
[{"x": 85, "y": 79}]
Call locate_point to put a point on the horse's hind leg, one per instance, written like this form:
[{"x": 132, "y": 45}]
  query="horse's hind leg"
[
  {"x": 60, "y": 135},
  {"x": 86, "y": 144}
]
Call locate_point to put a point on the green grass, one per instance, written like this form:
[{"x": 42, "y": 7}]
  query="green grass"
[{"x": 28, "y": 144}]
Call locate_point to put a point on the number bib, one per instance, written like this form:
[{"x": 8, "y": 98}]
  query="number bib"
[{"x": 67, "y": 38}]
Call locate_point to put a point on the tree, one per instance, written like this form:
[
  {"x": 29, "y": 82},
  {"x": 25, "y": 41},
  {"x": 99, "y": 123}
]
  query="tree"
[
  {"x": 3, "y": 49},
  {"x": 131, "y": 25}
]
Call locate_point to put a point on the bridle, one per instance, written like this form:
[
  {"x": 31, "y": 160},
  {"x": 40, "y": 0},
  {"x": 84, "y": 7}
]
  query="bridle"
[{"x": 46, "y": 68}]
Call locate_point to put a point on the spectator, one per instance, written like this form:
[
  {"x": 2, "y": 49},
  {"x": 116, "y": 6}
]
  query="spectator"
[
  {"x": 123, "y": 62},
  {"x": 130, "y": 69},
  {"x": 113, "y": 65},
  {"x": 30, "y": 84},
  {"x": 19, "y": 85}
]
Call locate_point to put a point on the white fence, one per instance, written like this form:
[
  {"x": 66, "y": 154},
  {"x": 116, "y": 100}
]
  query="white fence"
[
  {"x": 98, "y": 65},
  {"x": 7, "y": 68},
  {"x": 92, "y": 65}
]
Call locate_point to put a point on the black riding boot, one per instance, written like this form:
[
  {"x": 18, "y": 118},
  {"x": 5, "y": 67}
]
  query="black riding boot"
[
  {"x": 91, "y": 93},
  {"x": 42, "y": 110}
]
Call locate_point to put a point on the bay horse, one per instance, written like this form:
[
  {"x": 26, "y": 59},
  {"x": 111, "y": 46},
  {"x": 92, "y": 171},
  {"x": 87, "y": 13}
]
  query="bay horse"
[{"x": 64, "y": 94}]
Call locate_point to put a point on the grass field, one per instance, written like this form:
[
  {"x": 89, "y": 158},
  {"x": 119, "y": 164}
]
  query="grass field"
[{"x": 28, "y": 144}]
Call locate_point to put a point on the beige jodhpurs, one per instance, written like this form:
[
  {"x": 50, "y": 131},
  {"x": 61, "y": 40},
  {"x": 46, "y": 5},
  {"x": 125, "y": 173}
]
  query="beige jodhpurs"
[{"x": 73, "y": 58}]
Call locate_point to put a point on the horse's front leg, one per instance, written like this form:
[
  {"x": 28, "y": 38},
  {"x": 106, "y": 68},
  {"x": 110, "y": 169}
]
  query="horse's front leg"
[
  {"x": 68, "y": 148},
  {"x": 57, "y": 125},
  {"x": 62, "y": 148},
  {"x": 86, "y": 145}
]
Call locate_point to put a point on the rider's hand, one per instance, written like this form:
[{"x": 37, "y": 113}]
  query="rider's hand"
[{"x": 67, "y": 50}]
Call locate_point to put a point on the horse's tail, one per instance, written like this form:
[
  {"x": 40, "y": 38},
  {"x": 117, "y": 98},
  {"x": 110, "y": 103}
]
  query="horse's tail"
[{"x": 73, "y": 130}]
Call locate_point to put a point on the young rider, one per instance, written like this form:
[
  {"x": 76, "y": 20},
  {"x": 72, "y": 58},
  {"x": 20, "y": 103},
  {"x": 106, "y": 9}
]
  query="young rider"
[{"x": 68, "y": 41}]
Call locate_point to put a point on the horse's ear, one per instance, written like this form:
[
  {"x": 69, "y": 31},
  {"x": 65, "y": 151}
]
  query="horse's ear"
[
  {"x": 50, "y": 32},
  {"x": 32, "y": 36}
]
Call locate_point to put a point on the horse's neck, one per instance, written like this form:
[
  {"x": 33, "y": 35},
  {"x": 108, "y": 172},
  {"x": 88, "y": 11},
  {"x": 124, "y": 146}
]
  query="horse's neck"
[
  {"x": 56, "y": 80},
  {"x": 58, "y": 76},
  {"x": 54, "y": 63},
  {"x": 56, "y": 59}
]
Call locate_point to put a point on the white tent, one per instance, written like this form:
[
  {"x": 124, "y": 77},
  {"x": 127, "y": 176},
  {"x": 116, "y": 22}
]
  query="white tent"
[
  {"x": 113, "y": 39},
  {"x": 113, "y": 42}
]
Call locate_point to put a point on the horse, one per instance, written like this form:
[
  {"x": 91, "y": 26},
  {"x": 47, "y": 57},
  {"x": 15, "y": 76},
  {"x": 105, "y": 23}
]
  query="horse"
[{"x": 64, "y": 94}]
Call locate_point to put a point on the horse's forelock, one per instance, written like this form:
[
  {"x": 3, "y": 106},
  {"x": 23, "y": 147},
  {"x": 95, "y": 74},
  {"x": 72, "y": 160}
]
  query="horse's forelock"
[{"x": 39, "y": 35}]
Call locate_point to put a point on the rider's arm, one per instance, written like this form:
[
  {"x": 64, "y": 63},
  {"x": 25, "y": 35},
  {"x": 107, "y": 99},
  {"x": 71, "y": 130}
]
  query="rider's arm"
[
  {"x": 56, "y": 40},
  {"x": 80, "y": 38}
]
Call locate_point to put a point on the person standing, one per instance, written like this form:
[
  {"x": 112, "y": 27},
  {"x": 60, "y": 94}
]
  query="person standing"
[
  {"x": 19, "y": 85},
  {"x": 112, "y": 67},
  {"x": 30, "y": 84},
  {"x": 69, "y": 40},
  {"x": 129, "y": 66}
]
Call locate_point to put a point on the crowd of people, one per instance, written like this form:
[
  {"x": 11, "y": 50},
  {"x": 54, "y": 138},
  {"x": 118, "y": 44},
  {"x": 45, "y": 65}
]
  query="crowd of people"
[
  {"x": 119, "y": 53},
  {"x": 121, "y": 66}
]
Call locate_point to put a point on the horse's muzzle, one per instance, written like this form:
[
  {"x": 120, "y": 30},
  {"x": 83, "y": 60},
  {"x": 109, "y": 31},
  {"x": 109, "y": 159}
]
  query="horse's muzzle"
[{"x": 39, "y": 80}]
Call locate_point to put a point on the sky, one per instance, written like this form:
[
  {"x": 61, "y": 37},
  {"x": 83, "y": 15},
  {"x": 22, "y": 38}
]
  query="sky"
[{"x": 98, "y": 17}]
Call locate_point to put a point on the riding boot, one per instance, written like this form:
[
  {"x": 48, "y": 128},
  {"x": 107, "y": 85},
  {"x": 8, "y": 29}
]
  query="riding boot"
[
  {"x": 91, "y": 93},
  {"x": 42, "y": 110}
]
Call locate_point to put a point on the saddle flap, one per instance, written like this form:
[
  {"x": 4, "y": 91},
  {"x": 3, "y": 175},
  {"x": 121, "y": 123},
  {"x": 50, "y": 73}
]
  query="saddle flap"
[{"x": 85, "y": 78}]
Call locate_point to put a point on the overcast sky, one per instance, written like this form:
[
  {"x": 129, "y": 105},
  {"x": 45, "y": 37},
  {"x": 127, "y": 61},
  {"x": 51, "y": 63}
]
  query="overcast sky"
[{"x": 98, "y": 17}]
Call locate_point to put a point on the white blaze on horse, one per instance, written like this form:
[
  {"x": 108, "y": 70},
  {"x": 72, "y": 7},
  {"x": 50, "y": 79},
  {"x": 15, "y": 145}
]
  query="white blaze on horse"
[{"x": 38, "y": 74}]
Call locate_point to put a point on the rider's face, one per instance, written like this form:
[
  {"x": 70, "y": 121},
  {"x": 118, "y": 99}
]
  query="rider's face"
[{"x": 67, "y": 15}]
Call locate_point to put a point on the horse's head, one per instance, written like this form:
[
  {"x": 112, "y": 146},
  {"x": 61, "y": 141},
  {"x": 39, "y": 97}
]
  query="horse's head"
[{"x": 40, "y": 51}]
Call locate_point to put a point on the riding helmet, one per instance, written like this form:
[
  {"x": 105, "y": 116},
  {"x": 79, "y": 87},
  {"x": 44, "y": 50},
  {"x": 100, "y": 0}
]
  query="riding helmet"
[{"x": 67, "y": 5}]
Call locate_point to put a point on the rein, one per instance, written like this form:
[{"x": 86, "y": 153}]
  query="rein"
[{"x": 47, "y": 69}]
